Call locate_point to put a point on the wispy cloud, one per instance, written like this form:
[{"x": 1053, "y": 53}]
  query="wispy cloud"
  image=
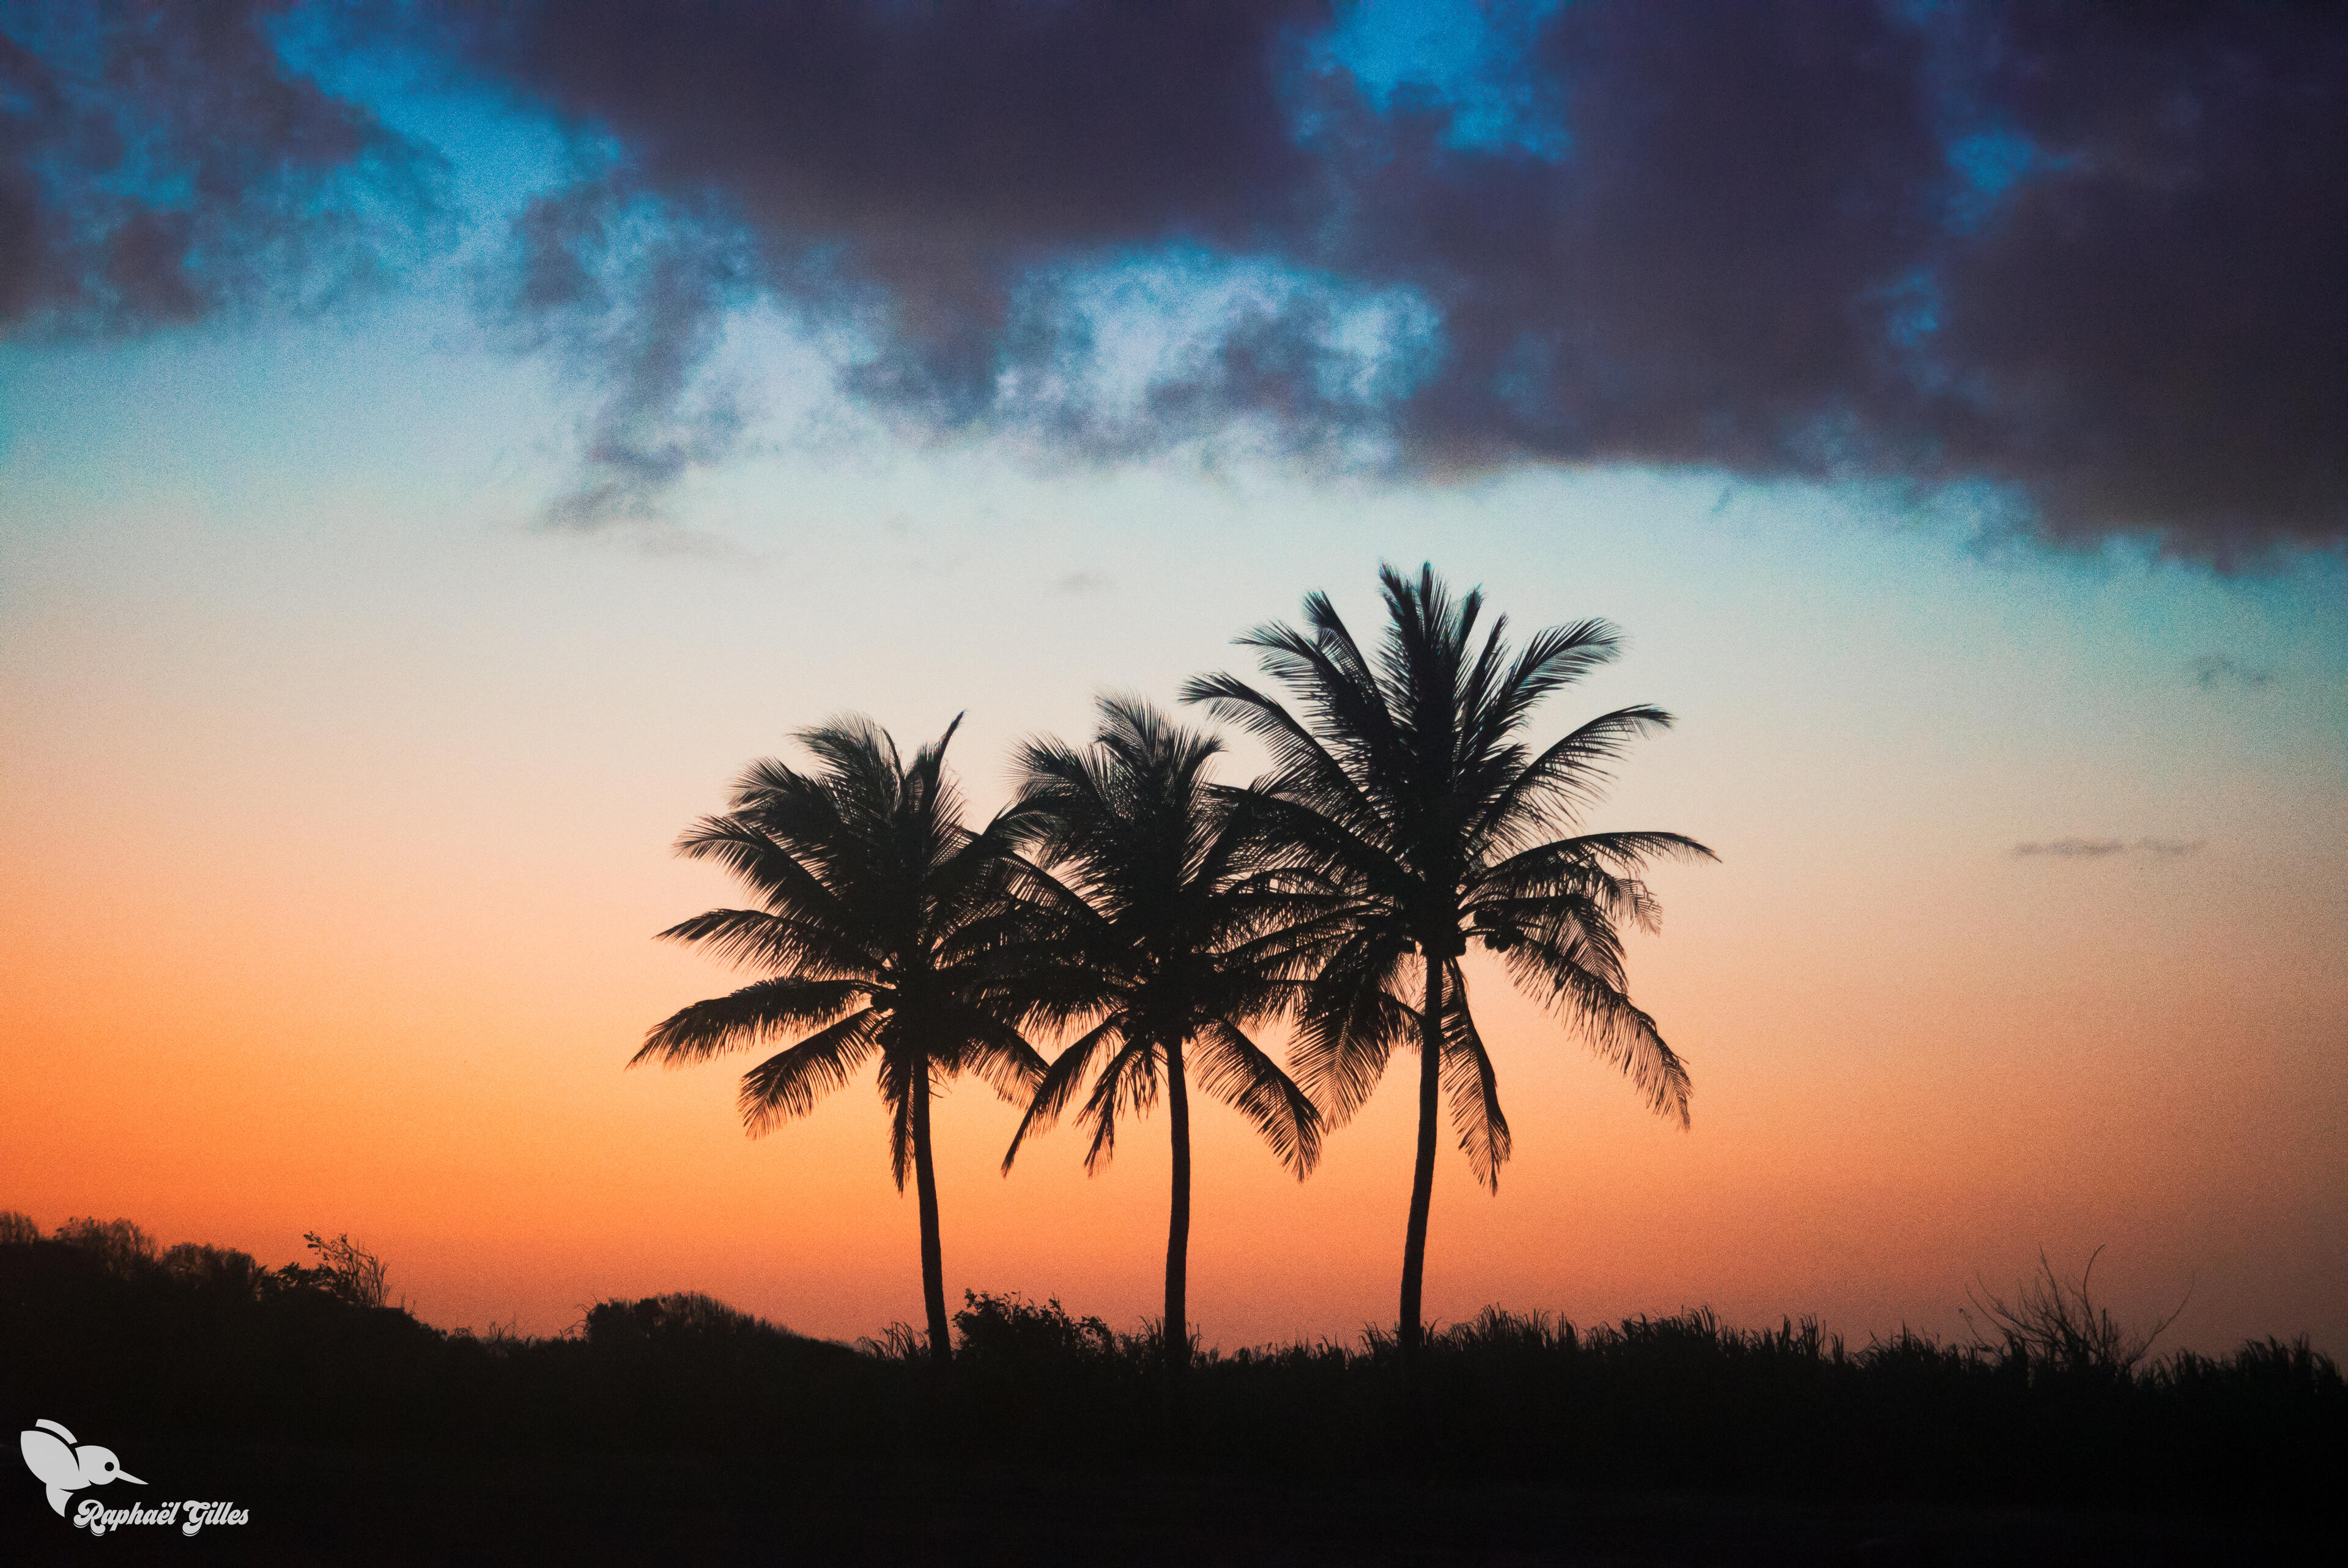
[
  {"x": 2105, "y": 848},
  {"x": 2222, "y": 669},
  {"x": 630, "y": 295},
  {"x": 1083, "y": 583}
]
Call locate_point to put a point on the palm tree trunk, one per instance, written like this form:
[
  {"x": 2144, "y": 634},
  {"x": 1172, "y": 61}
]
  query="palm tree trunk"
[
  {"x": 1422, "y": 1180},
  {"x": 1177, "y": 1227},
  {"x": 925, "y": 1186}
]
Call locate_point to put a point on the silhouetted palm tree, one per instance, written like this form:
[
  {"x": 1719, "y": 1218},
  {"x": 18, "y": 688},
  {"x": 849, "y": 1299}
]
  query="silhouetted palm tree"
[
  {"x": 1405, "y": 789},
  {"x": 1159, "y": 946},
  {"x": 871, "y": 896}
]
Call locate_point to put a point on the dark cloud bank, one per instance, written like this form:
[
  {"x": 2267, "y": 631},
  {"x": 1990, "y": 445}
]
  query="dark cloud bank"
[
  {"x": 159, "y": 163},
  {"x": 2093, "y": 257}
]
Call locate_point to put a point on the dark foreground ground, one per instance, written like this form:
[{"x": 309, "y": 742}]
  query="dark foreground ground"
[
  {"x": 321, "y": 1506},
  {"x": 673, "y": 1429}
]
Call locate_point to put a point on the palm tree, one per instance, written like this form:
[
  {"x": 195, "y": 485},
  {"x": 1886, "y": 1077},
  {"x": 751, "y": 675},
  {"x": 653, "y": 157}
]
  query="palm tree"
[
  {"x": 1162, "y": 945},
  {"x": 872, "y": 894},
  {"x": 1407, "y": 789}
]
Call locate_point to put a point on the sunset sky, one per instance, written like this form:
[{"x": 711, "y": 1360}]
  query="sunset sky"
[{"x": 435, "y": 455}]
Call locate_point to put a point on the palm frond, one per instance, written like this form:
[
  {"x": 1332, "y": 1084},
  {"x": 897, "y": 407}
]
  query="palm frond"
[
  {"x": 1127, "y": 1086},
  {"x": 1558, "y": 785},
  {"x": 1348, "y": 1023},
  {"x": 1234, "y": 1070},
  {"x": 774, "y": 941},
  {"x": 750, "y": 1017},
  {"x": 1326, "y": 846},
  {"x": 1556, "y": 657},
  {"x": 1059, "y": 1083},
  {"x": 895, "y": 1082},
  {"x": 1474, "y": 1088},
  {"x": 768, "y": 868},
  {"x": 1304, "y": 769},
  {"x": 994, "y": 1049},
  {"x": 862, "y": 757},
  {"x": 1583, "y": 988},
  {"x": 789, "y": 1082},
  {"x": 1563, "y": 862}
]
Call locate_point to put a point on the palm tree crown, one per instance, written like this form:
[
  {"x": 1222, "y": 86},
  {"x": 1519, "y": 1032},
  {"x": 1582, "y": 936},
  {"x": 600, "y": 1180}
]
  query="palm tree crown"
[
  {"x": 1407, "y": 790},
  {"x": 873, "y": 898},
  {"x": 1161, "y": 946}
]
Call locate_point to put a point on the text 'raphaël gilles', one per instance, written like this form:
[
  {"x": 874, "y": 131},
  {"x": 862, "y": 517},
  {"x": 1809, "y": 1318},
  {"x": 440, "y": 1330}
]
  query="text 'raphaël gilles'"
[{"x": 98, "y": 1518}]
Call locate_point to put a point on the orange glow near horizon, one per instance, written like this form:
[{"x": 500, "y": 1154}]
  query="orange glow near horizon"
[
  {"x": 317, "y": 924},
  {"x": 258, "y": 1082}
]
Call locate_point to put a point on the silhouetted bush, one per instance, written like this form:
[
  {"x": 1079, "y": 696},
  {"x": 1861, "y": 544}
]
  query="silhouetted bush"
[
  {"x": 344, "y": 1270},
  {"x": 217, "y": 1270},
  {"x": 119, "y": 1246},
  {"x": 2051, "y": 1323}
]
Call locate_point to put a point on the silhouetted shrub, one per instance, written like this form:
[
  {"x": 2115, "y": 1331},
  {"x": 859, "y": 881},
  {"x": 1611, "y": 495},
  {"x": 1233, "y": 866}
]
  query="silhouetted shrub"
[
  {"x": 224, "y": 1269},
  {"x": 344, "y": 1270},
  {"x": 119, "y": 1245},
  {"x": 2051, "y": 1324}
]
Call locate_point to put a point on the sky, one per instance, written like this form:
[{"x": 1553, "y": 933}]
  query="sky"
[{"x": 440, "y": 448}]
